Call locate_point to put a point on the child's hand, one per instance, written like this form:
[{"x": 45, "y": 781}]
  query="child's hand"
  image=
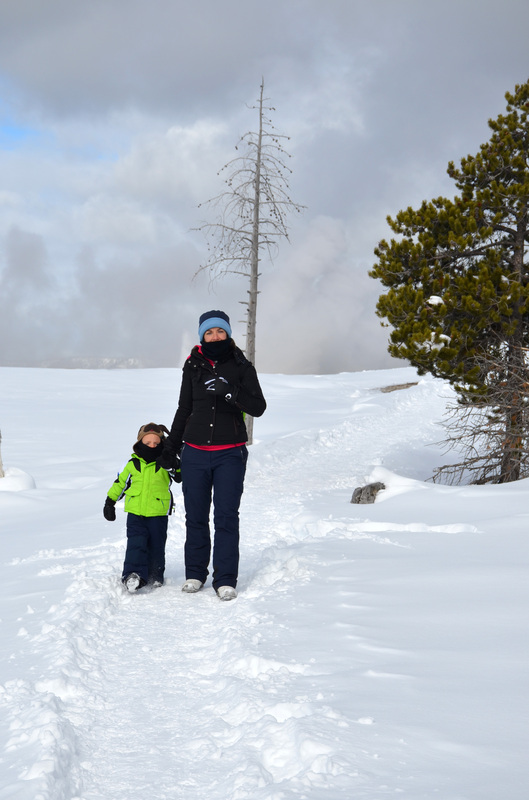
[{"x": 109, "y": 510}]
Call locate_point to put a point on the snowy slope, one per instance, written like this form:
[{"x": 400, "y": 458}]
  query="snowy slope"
[{"x": 373, "y": 652}]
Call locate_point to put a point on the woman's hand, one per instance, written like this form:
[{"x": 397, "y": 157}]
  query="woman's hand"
[{"x": 221, "y": 388}]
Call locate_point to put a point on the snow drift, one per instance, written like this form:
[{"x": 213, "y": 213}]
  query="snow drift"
[{"x": 373, "y": 651}]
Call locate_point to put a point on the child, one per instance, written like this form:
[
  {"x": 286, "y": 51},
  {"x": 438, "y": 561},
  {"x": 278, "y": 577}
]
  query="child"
[{"x": 148, "y": 503}]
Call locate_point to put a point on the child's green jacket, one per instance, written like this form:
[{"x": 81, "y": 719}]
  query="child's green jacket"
[{"x": 146, "y": 488}]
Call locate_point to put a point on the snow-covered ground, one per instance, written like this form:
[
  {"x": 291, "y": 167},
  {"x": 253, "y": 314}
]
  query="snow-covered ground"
[{"x": 374, "y": 651}]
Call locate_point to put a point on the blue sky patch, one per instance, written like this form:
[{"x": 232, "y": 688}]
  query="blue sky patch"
[{"x": 12, "y": 135}]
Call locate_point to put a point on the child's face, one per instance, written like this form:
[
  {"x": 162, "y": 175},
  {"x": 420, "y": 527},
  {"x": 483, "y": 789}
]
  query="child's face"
[{"x": 151, "y": 440}]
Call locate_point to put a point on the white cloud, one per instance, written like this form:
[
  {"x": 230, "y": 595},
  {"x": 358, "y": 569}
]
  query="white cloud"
[
  {"x": 137, "y": 106},
  {"x": 116, "y": 221},
  {"x": 181, "y": 162},
  {"x": 10, "y": 199}
]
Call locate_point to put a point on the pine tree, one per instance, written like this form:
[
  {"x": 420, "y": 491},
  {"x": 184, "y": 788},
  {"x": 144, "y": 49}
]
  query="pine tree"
[{"x": 458, "y": 295}]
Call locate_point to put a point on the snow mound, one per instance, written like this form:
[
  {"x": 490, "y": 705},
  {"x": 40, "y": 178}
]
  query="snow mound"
[{"x": 15, "y": 480}]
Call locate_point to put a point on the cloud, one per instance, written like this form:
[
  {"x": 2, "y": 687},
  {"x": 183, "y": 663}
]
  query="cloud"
[
  {"x": 324, "y": 331},
  {"x": 28, "y": 299},
  {"x": 25, "y": 273},
  {"x": 9, "y": 199},
  {"x": 180, "y": 161},
  {"x": 128, "y": 109},
  {"x": 104, "y": 218}
]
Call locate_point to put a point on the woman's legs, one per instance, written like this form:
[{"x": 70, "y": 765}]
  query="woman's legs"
[
  {"x": 196, "y": 488},
  {"x": 223, "y": 472},
  {"x": 228, "y": 483}
]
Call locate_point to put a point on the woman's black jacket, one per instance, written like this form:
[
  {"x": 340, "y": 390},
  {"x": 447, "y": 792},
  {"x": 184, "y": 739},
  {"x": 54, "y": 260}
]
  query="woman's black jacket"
[{"x": 206, "y": 419}]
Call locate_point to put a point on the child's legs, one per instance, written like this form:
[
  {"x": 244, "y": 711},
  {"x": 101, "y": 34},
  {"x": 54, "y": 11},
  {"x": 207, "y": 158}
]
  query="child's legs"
[
  {"x": 157, "y": 527},
  {"x": 228, "y": 482},
  {"x": 136, "y": 555},
  {"x": 196, "y": 488}
]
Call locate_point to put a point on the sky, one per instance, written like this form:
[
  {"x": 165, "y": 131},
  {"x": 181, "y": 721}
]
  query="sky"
[
  {"x": 374, "y": 651},
  {"x": 117, "y": 115}
]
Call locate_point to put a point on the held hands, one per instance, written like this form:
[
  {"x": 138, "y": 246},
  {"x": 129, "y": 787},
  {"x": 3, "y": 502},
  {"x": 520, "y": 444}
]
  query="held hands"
[
  {"x": 221, "y": 388},
  {"x": 170, "y": 464},
  {"x": 175, "y": 471},
  {"x": 109, "y": 510}
]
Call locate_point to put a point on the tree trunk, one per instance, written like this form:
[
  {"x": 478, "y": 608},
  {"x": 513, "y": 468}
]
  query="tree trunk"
[
  {"x": 253, "y": 212},
  {"x": 253, "y": 291},
  {"x": 513, "y": 442},
  {"x": 254, "y": 255},
  {"x": 516, "y": 372}
]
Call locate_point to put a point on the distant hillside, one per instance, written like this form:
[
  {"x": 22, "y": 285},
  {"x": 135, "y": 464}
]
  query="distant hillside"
[{"x": 94, "y": 363}]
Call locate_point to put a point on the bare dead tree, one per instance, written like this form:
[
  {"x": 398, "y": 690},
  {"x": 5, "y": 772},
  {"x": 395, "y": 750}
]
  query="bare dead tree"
[{"x": 252, "y": 213}]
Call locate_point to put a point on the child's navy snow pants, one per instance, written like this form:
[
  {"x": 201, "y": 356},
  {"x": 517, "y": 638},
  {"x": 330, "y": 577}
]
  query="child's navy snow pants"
[
  {"x": 220, "y": 472},
  {"x": 145, "y": 555}
]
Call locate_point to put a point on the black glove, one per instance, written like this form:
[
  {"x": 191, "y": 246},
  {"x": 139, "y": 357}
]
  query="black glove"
[
  {"x": 170, "y": 464},
  {"x": 166, "y": 461},
  {"x": 222, "y": 388},
  {"x": 175, "y": 471},
  {"x": 109, "y": 510}
]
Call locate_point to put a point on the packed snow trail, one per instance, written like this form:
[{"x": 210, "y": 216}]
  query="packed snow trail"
[{"x": 341, "y": 670}]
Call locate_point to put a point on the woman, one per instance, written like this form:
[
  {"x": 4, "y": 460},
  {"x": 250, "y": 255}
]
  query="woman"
[{"x": 219, "y": 385}]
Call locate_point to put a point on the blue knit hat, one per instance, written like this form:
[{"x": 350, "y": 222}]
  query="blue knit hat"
[{"x": 213, "y": 319}]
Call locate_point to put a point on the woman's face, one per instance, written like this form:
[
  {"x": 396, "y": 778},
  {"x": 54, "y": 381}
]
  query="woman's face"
[{"x": 215, "y": 335}]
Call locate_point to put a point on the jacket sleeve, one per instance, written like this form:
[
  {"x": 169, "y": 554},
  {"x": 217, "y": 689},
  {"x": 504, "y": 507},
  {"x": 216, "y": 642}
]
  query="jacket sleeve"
[
  {"x": 250, "y": 397},
  {"x": 122, "y": 482},
  {"x": 173, "y": 443}
]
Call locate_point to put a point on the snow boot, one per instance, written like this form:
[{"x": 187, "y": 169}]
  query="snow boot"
[
  {"x": 192, "y": 585},
  {"x": 226, "y": 593},
  {"x": 132, "y": 582}
]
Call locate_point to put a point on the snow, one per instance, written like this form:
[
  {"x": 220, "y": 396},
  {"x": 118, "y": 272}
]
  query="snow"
[{"x": 374, "y": 651}]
